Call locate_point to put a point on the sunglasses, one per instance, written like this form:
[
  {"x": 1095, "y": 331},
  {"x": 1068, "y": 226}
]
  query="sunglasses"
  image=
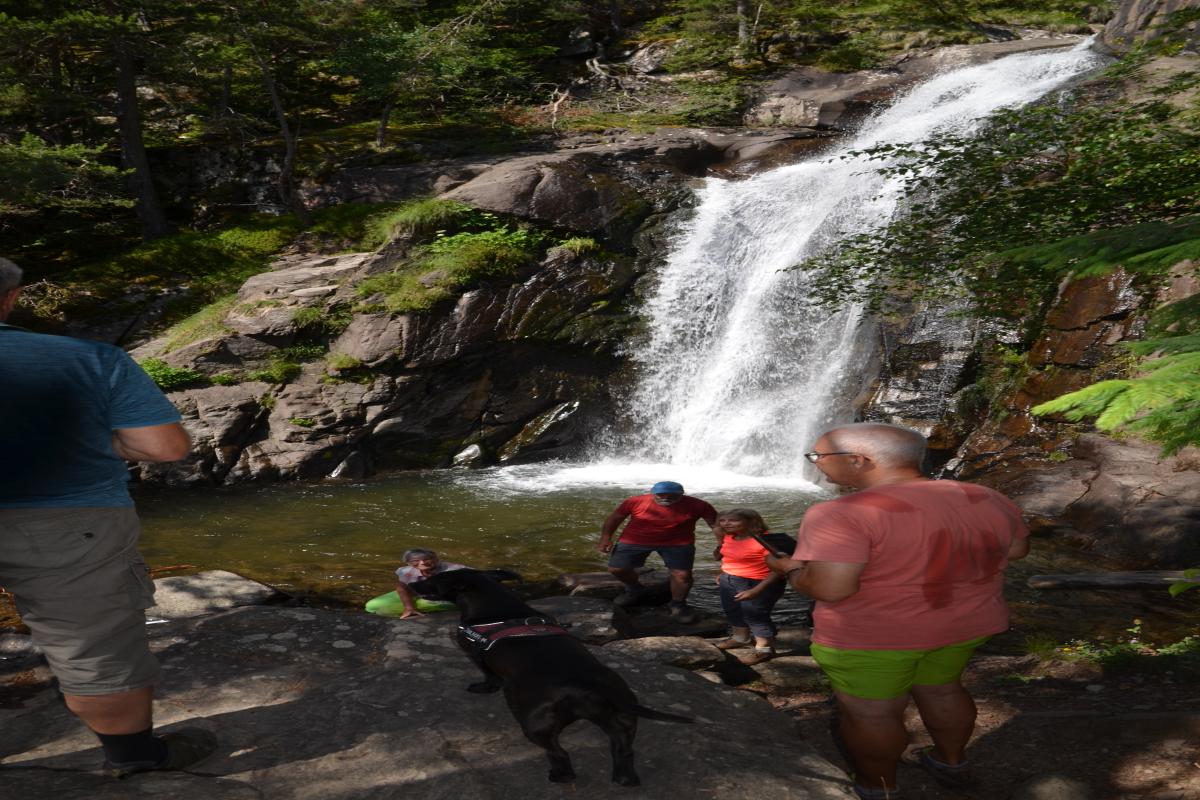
[{"x": 814, "y": 457}]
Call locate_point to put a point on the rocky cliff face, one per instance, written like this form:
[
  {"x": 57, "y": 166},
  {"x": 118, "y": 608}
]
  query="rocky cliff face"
[
  {"x": 511, "y": 370},
  {"x": 1138, "y": 22}
]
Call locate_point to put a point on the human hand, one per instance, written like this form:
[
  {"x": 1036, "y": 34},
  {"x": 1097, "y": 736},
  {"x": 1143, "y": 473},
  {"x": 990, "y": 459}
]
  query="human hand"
[
  {"x": 604, "y": 545},
  {"x": 746, "y": 594},
  {"x": 717, "y": 553},
  {"x": 411, "y": 612},
  {"x": 781, "y": 564}
]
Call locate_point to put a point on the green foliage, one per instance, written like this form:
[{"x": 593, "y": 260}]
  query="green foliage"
[
  {"x": 275, "y": 372},
  {"x": 342, "y": 361},
  {"x": 303, "y": 422},
  {"x": 1162, "y": 402},
  {"x": 1130, "y": 653},
  {"x": 1040, "y": 174},
  {"x": 1180, "y": 587},
  {"x": 713, "y": 103},
  {"x": 452, "y": 263},
  {"x": 39, "y": 176},
  {"x": 171, "y": 378},
  {"x": 419, "y": 218},
  {"x": 208, "y": 322},
  {"x": 578, "y": 245}
]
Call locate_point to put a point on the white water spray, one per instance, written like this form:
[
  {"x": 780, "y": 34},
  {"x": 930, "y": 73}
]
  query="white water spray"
[{"x": 739, "y": 374}]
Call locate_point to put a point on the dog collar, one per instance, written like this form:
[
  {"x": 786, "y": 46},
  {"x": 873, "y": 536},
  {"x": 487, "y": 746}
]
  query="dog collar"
[{"x": 486, "y": 635}]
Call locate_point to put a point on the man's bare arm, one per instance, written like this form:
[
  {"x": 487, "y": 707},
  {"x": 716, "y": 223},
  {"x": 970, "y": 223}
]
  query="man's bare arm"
[
  {"x": 822, "y": 580},
  {"x": 168, "y": 442}
]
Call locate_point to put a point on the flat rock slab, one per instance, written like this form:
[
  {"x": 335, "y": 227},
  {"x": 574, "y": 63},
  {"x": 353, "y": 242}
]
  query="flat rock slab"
[
  {"x": 327, "y": 705},
  {"x": 689, "y": 652},
  {"x": 207, "y": 593}
]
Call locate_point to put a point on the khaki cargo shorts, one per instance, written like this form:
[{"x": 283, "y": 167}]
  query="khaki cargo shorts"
[{"x": 82, "y": 588}]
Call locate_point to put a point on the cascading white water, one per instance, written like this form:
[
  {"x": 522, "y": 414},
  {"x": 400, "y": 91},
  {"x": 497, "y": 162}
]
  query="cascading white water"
[{"x": 739, "y": 373}]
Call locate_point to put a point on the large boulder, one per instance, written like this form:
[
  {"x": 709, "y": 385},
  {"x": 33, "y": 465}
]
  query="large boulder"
[
  {"x": 1138, "y": 22},
  {"x": 1120, "y": 498}
]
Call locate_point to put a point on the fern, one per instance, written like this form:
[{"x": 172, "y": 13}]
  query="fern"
[
  {"x": 1163, "y": 401},
  {"x": 1187, "y": 343},
  {"x": 1087, "y": 402}
]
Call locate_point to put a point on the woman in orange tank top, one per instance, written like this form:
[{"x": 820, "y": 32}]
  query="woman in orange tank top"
[{"x": 749, "y": 590}]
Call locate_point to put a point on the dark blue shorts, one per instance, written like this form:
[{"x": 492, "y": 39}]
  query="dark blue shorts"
[{"x": 632, "y": 556}]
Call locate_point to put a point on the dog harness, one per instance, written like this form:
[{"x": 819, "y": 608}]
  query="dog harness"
[{"x": 485, "y": 636}]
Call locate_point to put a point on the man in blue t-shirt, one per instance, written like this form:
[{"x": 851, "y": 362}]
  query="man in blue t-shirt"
[{"x": 73, "y": 412}]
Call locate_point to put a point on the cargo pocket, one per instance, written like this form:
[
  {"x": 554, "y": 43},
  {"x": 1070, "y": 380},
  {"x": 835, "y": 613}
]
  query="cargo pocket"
[
  {"x": 54, "y": 542},
  {"x": 141, "y": 585}
]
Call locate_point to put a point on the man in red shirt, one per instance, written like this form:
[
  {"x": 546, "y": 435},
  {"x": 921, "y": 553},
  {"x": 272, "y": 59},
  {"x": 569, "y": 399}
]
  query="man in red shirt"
[
  {"x": 908, "y": 574},
  {"x": 663, "y": 522}
]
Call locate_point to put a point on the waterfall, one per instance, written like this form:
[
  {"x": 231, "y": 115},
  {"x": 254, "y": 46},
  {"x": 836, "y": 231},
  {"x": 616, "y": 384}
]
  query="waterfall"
[{"x": 738, "y": 373}]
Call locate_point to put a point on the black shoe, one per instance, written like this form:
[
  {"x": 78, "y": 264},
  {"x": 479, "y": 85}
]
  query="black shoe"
[
  {"x": 682, "y": 614},
  {"x": 185, "y": 747}
]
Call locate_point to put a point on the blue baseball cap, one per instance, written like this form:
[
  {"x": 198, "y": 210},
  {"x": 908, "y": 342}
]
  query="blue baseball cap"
[{"x": 666, "y": 487}]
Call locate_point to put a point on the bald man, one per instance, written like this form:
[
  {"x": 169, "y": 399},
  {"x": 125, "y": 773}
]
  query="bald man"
[{"x": 908, "y": 574}]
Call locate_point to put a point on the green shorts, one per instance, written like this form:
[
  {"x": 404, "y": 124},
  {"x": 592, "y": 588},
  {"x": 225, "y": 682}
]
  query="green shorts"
[
  {"x": 81, "y": 587},
  {"x": 884, "y": 674}
]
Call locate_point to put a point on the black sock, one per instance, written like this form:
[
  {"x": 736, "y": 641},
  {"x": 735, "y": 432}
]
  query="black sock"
[{"x": 128, "y": 748}]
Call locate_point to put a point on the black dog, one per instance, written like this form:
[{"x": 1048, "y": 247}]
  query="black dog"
[{"x": 549, "y": 677}]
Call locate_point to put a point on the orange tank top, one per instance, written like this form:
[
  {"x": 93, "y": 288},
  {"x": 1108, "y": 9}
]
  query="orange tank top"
[{"x": 745, "y": 558}]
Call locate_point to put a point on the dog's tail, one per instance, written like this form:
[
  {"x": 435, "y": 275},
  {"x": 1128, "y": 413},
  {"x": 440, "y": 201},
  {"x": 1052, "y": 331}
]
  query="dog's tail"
[{"x": 661, "y": 716}]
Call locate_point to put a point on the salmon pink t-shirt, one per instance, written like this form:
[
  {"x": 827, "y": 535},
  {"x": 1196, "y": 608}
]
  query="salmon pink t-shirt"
[
  {"x": 745, "y": 558},
  {"x": 935, "y": 553},
  {"x": 651, "y": 524}
]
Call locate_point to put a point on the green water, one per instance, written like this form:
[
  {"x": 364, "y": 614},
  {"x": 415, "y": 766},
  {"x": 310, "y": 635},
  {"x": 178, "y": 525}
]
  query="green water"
[{"x": 341, "y": 543}]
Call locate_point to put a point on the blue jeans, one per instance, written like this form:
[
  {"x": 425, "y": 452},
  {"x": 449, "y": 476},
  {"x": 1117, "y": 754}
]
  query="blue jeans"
[{"x": 754, "y": 614}]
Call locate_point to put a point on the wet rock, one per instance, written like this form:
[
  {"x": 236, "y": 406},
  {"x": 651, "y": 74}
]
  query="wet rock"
[
  {"x": 1120, "y": 498},
  {"x": 603, "y": 584},
  {"x": 207, "y": 593},
  {"x": 471, "y": 456}
]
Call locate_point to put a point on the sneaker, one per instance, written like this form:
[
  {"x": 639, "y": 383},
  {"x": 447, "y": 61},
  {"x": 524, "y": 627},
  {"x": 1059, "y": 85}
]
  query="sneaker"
[
  {"x": 630, "y": 596},
  {"x": 952, "y": 776},
  {"x": 682, "y": 614},
  {"x": 185, "y": 747},
  {"x": 733, "y": 644}
]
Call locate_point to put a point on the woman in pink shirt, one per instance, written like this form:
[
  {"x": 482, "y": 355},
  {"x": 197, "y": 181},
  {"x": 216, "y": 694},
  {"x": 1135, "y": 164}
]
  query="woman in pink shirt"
[{"x": 749, "y": 590}]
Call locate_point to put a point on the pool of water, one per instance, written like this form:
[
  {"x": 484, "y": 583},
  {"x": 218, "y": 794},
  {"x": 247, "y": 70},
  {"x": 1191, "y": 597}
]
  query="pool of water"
[{"x": 342, "y": 542}]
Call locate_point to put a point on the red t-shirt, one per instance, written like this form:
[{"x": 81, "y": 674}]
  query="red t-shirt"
[
  {"x": 745, "y": 558},
  {"x": 651, "y": 524},
  {"x": 935, "y": 554}
]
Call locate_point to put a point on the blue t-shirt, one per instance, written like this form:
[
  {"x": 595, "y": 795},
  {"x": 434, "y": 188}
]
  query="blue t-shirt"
[{"x": 60, "y": 401}]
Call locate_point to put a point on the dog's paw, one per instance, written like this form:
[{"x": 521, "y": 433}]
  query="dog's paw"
[
  {"x": 484, "y": 687},
  {"x": 627, "y": 779},
  {"x": 561, "y": 775}
]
